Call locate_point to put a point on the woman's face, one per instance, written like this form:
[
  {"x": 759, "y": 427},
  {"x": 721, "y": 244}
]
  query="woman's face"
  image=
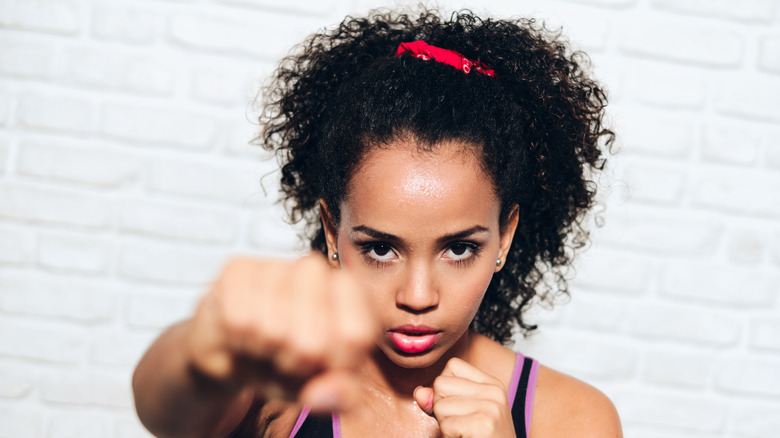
[{"x": 420, "y": 230}]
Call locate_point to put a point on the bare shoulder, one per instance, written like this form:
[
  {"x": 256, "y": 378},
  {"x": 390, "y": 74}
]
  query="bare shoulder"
[
  {"x": 567, "y": 407},
  {"x": 493, "y": 358}
]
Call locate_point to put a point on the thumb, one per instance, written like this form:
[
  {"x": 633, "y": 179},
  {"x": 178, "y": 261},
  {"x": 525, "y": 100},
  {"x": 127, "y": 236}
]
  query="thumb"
[{"x": 424, "y": 398}]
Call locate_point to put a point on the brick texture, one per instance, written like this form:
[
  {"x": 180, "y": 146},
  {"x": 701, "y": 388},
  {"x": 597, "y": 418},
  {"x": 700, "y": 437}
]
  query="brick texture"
[
  {"x": 17, "y": 245},
  {"x": 168, "y": 264},
  {"x": 63, "y": 425},
  {"x": 26, "y": 59},
  {"x": 15, "y": 382},
  {"x": 749, "y": 10},
  {"x": 63, "y": 252},
  {"x": 54, "y": 206},
  {"x": 129, "y": 24},
  {"x": 77, "y": 161},
  {"x": 763, "y": 333},
  {"x": 681, "y": 412},
  {"x": 698, "y": 45},
  {"x": 769, "y": 59},
  {"x": 178, "y": 221},
  {"x": 42, "y": 15},
  {"x": 157, "y": 308},
  {"x": 56, "y": 113},
  {"x": 57, "y": 296},
  {"x": 757, "y": 420},
  {"x": 678, "y": 367},
  {"x": 49, "y": 342},
  {"x": 735, "y": 191},
  {"x": 127, "y": 179},
  {"x": 751, "y": 375},
  {"x": 113, "y": 69},
  {"x": 718, "y": 284},
  {"x": 754, "y": 98},
  {"x": 177, "y": 127},
  {"x": 5, "y": 103},
  {"x": 98, "y": 388},
  {"x": 21, "y": 421},
  {"x": 686, "y": 324}
]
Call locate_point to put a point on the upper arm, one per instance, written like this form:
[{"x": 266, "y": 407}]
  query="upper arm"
[{"x": 567, "y": 407}]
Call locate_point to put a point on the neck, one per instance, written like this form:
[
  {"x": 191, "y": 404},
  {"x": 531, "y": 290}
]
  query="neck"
[{"x": 391, "y": 380}]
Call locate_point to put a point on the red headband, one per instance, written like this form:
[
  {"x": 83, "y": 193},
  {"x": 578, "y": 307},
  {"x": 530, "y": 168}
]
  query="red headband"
[{"x": 425, "y": 51}]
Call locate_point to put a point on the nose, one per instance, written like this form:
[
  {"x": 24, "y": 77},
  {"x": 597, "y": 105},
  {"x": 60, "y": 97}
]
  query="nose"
[{"x": 418, "y": 291}]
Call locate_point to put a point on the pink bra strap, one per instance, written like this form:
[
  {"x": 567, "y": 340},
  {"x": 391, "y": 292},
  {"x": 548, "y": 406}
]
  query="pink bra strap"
[
  {"x": 516, "y": 371},
  {"x": 529, "y": 396},
  {"x": 301, "y": 418},
  {"x": 336, "y": 425}
]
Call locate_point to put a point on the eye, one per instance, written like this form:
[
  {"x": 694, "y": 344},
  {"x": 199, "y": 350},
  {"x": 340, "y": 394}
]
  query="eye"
[
  {"x": 460, "y": 251},
  {"x": 379, "y": 251}
]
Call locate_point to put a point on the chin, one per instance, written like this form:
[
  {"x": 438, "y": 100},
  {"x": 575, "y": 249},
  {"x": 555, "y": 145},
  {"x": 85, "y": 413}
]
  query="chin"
[{"x": 419, "y": 360}]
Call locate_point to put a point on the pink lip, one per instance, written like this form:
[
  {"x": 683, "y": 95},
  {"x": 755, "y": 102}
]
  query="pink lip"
[{"x": 414, "y": 338}]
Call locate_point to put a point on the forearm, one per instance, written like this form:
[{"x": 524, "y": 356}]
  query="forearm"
[{"x": 174, "y": 400}]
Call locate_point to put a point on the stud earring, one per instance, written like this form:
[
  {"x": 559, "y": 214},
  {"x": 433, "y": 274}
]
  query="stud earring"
[
  {"x": 498, "y": 262},
  {"x": 334, "y": 256}
]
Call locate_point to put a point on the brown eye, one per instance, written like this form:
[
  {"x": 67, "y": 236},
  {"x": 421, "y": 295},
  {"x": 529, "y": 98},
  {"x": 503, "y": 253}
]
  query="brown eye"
[
  {"x": 459, "y": 250},
  {"x": 381, "y": 250}
]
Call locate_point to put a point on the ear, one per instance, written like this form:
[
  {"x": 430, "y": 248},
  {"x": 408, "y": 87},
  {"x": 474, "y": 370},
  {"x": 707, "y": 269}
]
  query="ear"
[
  {"x": 507, "y": 234},
  {"x": 330, "y": 232}
]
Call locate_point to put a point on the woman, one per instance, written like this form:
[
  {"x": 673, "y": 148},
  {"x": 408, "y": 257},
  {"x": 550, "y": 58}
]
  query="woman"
[{"x": 443, "y": 167}]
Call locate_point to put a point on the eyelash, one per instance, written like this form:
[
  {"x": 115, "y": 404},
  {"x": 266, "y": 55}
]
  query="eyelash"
[
  {"x": 366, "y": 248},
  {"x": 473, "y": 247}
]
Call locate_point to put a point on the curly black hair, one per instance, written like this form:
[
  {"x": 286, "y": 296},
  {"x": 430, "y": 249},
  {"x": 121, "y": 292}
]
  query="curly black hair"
[{"x": 537, "y": 127}]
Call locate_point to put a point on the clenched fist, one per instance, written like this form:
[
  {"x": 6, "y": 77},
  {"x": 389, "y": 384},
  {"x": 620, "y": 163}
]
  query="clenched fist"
[
  {"x": 467, "y": 403},
  {"x": 292, "y": 329}
]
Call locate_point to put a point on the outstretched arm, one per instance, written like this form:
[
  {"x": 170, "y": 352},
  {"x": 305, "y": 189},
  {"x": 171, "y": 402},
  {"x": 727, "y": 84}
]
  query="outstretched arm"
[
  {"x": 175, "y": 399},
  {"x": 267, "y": 330}
]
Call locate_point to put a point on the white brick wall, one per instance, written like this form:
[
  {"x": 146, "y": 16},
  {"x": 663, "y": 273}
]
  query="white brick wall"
[{"x": 126, "y": 180}]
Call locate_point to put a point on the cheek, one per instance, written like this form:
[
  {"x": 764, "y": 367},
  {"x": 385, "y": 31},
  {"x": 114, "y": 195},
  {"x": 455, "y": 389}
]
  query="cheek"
[
  {"x": 468, "y": 290},
  {"x": 476, "y": 287}
]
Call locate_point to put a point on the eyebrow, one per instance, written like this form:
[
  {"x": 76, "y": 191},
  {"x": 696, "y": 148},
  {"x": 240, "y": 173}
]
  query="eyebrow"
[{"x": 376, "y": 234}]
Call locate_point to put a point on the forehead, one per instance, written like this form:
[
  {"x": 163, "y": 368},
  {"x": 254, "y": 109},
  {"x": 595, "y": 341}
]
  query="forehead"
[{"x": 399, "y": 185}]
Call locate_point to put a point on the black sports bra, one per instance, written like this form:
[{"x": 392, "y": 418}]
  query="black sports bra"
[{"x": 520, "y": 395}]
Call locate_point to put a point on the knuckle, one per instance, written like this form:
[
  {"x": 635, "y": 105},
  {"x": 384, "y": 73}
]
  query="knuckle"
[
  {"x": 497, "y": 393},
  {"x": 486, "y": 423},
  {"x": 447, "y": 427},
  {"x": 270, "y": 332},
  {"x": 239, "y": 267},
  {"x": 308, "y": 348},
  {"x": 311, "y": 262},
  {"x": 439, "y": 384},
  {"x": 305, "y": 358},
  {"x": 296, "y": 363},
  {"x": 493, "y": 410},
  {"x": 452, "y": 364}
]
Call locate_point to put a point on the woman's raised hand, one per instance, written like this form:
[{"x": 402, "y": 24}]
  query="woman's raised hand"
[
  {"x": 289, "y": 329},
  {"x": 467, "y": 403}
]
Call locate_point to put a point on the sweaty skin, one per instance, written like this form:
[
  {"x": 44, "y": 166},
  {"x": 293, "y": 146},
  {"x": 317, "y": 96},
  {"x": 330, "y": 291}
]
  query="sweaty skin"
[
  {"x": 420, "y": 232},
  {"x": 418, "y": 241}
]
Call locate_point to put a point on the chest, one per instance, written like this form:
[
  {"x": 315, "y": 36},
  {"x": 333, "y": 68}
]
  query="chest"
[
  {"x": 378, "y": 421},
  {"x": 381, "y": 422}
]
